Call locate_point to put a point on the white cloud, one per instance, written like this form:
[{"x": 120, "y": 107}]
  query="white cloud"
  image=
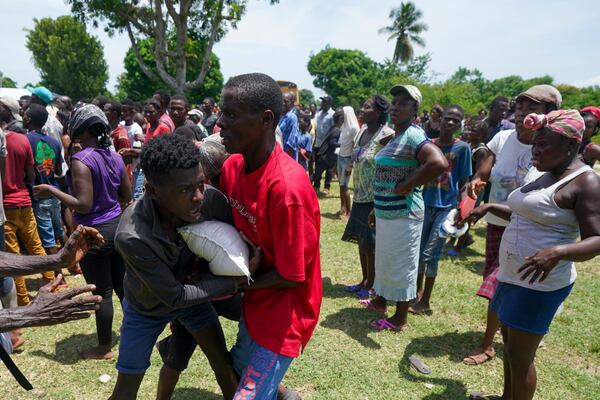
[{"x": 527, "y": 38}]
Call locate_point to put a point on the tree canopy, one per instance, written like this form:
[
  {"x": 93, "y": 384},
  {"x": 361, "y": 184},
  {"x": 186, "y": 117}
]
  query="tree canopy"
[
  {"x": 6, "y": 82},
  {"x": 159, "y": 21},
  {"x": 350, "y": 77},
  {"x": 307, "y": 97},
  {"x": 69, "y": 59},
  {"x": 135, "y": 84}
]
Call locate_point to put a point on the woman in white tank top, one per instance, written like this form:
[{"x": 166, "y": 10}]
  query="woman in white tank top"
[{"x": 539, "y": 247}]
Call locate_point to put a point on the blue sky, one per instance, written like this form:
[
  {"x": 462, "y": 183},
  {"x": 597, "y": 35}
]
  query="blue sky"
[{"x": 527, "y": 38}]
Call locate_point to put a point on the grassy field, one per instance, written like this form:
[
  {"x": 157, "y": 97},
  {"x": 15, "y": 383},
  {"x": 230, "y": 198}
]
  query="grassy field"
[{"x": 346, "y": 359}]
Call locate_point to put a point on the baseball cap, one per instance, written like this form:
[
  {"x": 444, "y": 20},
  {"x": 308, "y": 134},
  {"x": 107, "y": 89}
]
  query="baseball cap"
[
  {"x": 327, "y": 97},
  {"x": 543, "y": 94},
  {"x": 196, "y": 112},
  {"x": 42, "y": 92},
  {"x": 13, "y": 106},
  {"x": 412, "y": 91}
]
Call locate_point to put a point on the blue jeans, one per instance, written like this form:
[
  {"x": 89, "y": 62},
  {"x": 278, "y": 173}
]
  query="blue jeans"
[
  {"x": 139, "y": 333},
  {"x": 138, "y": 183},
  {"x": 431, "y": 243},
  {"x": 49, "y": 221},
  {"x": 261, "y": 370}
]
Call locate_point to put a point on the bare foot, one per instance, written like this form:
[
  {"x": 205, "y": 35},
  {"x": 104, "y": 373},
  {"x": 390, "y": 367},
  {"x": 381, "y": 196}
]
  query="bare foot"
[
  {"x": 420, "y": 309},
  {"x": 97, "y": 353},
  {"x": 16, "y": 339},
  {"x": 379, "y": 301}
]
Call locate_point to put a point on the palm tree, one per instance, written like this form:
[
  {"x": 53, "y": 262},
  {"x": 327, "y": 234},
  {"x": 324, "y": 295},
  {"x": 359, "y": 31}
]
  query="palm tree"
[{"x": 405, "y": 29}]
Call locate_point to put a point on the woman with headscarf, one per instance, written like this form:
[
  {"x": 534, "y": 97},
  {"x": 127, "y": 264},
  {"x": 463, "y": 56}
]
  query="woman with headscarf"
[
  {"x": 98, "y": 184},
  {"x": 371, "y": 138},
  {"x": 590, "y": 151},
  {"x": 348, "y": 131},
  {"x": 407, "y": 162},
  {"x": 539, "y": 247}
]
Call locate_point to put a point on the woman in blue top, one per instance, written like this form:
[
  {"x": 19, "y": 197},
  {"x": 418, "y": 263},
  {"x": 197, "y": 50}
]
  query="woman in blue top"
[{"x": 408, "y": 161}]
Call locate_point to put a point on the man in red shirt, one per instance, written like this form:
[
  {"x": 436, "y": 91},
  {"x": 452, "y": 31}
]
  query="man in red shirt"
[
  {"x": 119, "y": 135},
  {"x": 164, "y": 99},
  {"x": 20, "y": 221},
  {"x": 275, "y": 206}
]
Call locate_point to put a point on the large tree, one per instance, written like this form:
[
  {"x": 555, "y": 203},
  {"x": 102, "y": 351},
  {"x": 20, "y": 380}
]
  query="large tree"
[
  {"x": 135, "y": 84},
  {"x": 69, "y": 59},
  {"x": 307, "y": 97},
  {"x": 204, "y": 20},
  {"x": 350, "y": 76},
  {"x": 405, "y": 30}
]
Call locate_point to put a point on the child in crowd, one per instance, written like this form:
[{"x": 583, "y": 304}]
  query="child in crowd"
[
  {"x": 305, "y": 140},
  {"x": 440, "y": 197},
  {"x": 474, "y": 132}
]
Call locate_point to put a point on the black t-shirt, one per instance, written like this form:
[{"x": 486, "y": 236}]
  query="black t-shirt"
[{"x": 209, "y": 123}]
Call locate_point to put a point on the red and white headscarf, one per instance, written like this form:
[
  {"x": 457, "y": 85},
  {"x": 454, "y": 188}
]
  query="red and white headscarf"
[{"x": 568, "y": 123}]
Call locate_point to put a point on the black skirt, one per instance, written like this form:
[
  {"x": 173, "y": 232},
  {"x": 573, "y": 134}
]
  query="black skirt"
[{"x": 358, "y": 230}]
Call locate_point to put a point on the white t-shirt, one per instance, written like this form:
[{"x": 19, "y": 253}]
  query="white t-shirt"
[
  {"x": 513, "y": 161},
  {"x": 132, "y": 130},
  {"x": 346, "y": 141}
]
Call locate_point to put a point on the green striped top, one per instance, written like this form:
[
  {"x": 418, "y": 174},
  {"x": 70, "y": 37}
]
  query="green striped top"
[{"x": 396, "y": 162}]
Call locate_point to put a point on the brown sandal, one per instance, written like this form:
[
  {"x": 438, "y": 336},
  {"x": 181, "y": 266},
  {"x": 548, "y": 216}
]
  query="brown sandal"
[{"x": 478, "y": 356}]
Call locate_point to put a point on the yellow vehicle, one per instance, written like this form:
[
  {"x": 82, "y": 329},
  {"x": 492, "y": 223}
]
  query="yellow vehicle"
[{"x": 287, "y": 86}]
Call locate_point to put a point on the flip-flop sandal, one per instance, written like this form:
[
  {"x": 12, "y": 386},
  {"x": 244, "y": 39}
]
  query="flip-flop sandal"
[
  {"x": 363, "y": 294},
  {"x": 352, "y": 288},
  {"x": 419, "y": 365},
  {"x": 370, "y": 306},
  {"x": 452, "y": 253},
  {"x": 385, "y": 325},
  {"x": 426, "y": 311},
  {"x": 478, "y": 357},
  {"x": 483, "y": 396}
]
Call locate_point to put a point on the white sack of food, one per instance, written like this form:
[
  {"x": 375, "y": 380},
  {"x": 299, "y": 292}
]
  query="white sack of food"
[{"x": 220, "y": 244}]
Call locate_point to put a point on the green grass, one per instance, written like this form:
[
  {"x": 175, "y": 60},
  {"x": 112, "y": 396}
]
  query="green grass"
[{"x": 346, "y": 359}]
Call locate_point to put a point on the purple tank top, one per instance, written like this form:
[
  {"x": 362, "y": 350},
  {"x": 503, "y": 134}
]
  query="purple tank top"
[{"x": 107, "y": 170}]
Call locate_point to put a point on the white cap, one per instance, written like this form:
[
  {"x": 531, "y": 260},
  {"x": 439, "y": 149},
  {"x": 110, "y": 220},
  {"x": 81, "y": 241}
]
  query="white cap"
[{"x": 412, "y": 91}]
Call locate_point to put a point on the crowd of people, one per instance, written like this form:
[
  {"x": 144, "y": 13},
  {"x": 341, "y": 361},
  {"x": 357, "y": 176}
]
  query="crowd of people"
[{"x": 102, "y": 187}]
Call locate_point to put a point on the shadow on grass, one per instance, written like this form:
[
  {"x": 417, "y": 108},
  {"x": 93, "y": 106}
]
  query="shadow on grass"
[
  {"x": 335, "y": 291},
  {"x": 67, "y": 350},
  {"x": 354, "y": 322},
  {"x": 329, "y": 215},
  {"x": 187, "y": 393},
  {"x": 476, "y": 267},
  {"x": 471, "y": 259},
  {"x": 455, "y": 345}
]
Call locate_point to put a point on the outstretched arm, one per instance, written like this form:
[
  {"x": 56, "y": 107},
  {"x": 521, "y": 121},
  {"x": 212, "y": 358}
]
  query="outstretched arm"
[
  {"x": 50, "y": 308},
  {"x": 78, "y": 244}
]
